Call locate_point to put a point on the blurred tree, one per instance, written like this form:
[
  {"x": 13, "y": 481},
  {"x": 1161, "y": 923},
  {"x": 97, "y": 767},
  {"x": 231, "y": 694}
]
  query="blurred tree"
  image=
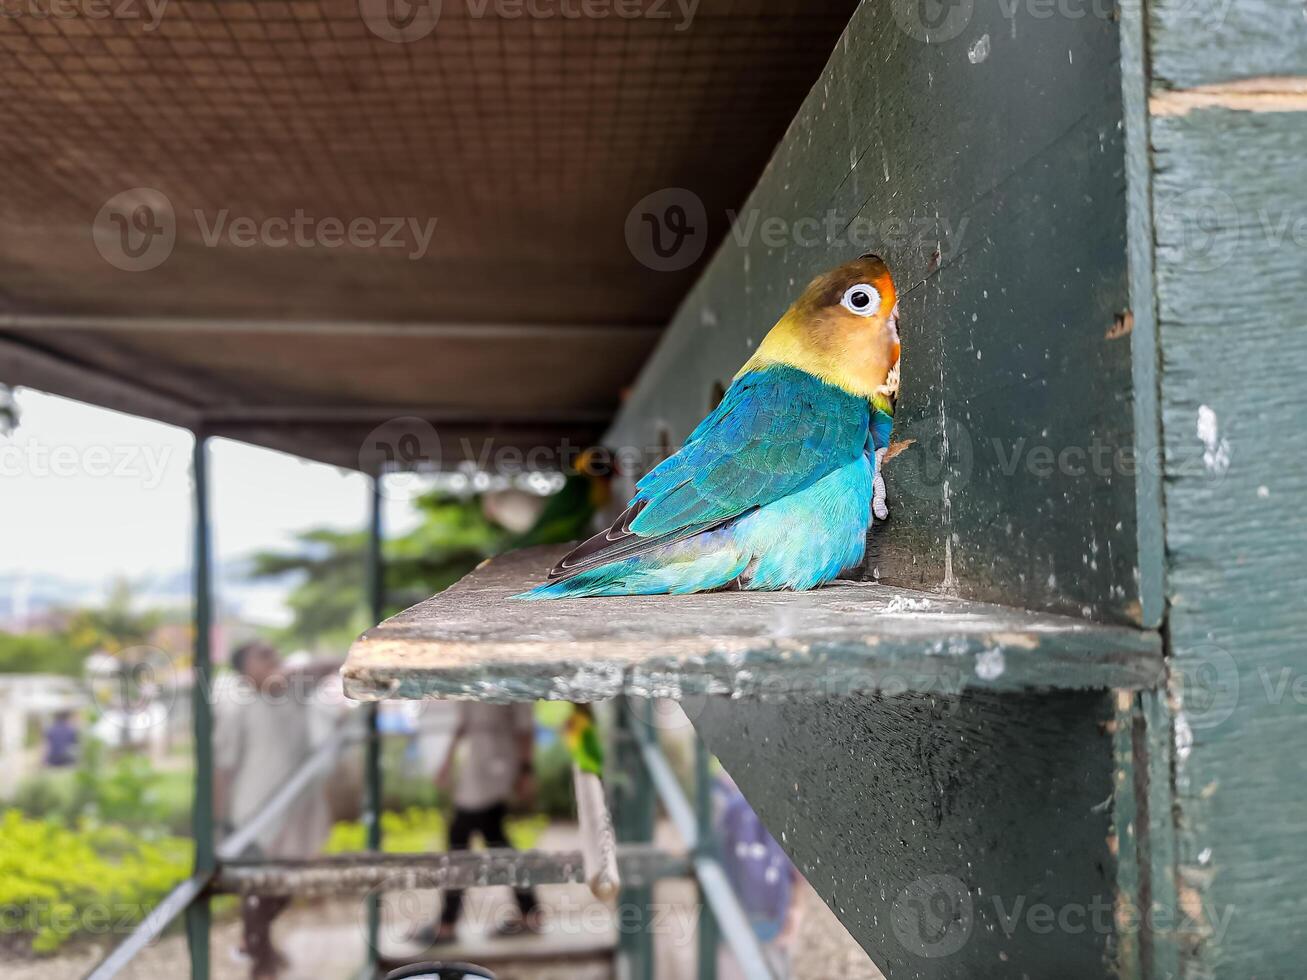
[
  {"x": 328, "y": 604},
  {"x": 39, "y": 653},
  {"x": 114, "y": 627}
]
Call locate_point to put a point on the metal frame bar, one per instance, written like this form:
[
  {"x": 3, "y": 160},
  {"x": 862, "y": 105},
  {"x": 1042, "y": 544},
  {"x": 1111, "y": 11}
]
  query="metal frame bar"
[
  {"x": 714, "y": 886},
  {"x": 709, "y": 933},
  {"x": 199, "y": 917},
  {"x": 367, "y": 874},
  {"x": 176, "y": 902},
  {"x": 376, "y": 578}
]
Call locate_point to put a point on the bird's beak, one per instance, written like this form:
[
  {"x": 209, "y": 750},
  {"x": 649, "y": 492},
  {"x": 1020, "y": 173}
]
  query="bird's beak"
[{"x": 894, "y": 323}]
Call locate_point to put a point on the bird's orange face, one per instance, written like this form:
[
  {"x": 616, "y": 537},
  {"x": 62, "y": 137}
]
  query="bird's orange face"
[
  {"x": 843, "y": 328},
  {"x": 856, "y": 306}
]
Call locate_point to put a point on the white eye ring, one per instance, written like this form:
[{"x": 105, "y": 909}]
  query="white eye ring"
[{"x": 861, "y": 300}]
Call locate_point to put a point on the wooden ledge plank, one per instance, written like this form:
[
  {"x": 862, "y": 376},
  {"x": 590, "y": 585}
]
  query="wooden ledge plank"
[{"x": 475, "y": 642}]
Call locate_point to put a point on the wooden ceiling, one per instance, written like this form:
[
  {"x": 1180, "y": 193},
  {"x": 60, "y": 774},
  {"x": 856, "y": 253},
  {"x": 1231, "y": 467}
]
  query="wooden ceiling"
[{"x": 356, "y": 226}]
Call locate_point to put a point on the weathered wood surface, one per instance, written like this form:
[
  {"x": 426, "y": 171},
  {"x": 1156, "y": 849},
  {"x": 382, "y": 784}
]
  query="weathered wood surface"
[
  {"x": 957, "y": 837},
  {"x": 1232, "y": 302},
  {"x": 475, "y": 641},
  {"x": 999, "y": 143},
  {"x": 1203, "y": 42}
]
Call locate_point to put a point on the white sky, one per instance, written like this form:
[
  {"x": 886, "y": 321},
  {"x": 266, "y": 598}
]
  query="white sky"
[{"x": 89, "y": 494}]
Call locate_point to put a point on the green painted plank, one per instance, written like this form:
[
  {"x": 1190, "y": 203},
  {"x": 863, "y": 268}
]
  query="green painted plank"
[
  {"x": 1232, "y": 291},
  {"x": 1149, "y": 520},
  {"x": 1206, "y": 42},
  {"x": 475, "y": 641},
  {"x": 1001, "y": 145},
  {"x": 956, "y": 836}
]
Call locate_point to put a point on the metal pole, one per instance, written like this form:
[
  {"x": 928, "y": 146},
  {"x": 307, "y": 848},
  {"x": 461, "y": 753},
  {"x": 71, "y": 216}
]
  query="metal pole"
[
  {"x": 372, "y": 789},
  {"x": 198, "y": 917},
  {"x": 633, "y": 803},
  {"x": 708, "y": 932},
  {"x": 731, "y": 922}
]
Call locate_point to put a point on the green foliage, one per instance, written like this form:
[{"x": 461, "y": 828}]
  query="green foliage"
[
  {"x": 328, "y": 604},
  {"x": 114, "y": 627},
  {"x": 39, "y": 653},
  {"x": 92, "y": 880},
  {"x": 126, "y": 790},
  {"x": 554, "y": 796},
  {"x": 423, "y": 830}
]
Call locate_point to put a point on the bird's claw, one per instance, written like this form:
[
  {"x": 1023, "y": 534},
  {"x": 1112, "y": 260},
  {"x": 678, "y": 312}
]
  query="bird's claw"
[{"x": 878, "y": 505}]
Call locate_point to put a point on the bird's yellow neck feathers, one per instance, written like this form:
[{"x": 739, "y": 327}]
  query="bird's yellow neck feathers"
[{"x": 846, "y": 351}]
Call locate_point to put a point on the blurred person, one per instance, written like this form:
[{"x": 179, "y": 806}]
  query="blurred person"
[
  {"x": 263, "y": 728},
  {"x": 489, "y": 764},
  {"x": 763, "y": 878},
  {"x": 61, "y": 741}
]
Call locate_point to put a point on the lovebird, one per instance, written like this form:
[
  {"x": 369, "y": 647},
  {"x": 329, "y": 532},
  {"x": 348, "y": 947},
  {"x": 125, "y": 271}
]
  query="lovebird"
[
  {"x": 773, "y": 490},
  {"x": 582, "y": 740}
]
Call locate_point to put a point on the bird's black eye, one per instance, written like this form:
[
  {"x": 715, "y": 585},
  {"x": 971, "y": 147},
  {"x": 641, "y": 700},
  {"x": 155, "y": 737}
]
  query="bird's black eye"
[{"x": 861, "y": 299}]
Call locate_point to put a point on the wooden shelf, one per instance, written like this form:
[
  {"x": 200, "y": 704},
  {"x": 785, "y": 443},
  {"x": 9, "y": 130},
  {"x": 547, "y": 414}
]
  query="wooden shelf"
[{"x": 474, "y": 641}]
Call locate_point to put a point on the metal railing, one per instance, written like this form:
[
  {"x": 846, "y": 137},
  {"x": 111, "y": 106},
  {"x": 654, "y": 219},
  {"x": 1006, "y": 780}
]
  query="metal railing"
[{"x": 641, "y": 768}]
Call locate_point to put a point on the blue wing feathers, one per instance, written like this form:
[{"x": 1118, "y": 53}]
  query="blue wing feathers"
[{"x": 783, "y": 454}]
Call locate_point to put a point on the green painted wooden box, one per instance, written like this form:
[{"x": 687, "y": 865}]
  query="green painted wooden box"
[{"x": 1104, "y": 380}]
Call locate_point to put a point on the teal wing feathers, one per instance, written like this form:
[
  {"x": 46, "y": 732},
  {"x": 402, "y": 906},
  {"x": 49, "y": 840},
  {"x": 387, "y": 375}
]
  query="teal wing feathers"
[{"x": 776, "y": 431}]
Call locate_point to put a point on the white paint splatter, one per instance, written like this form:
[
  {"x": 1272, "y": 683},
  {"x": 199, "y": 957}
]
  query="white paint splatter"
[
  {"x": 1184, "y": 736},
  {"x": 990, "y": 664},
  {"x": 905, "y": 604},
  {"x": 979, "y": 51},
  {"x": 1216, "y": 450}
]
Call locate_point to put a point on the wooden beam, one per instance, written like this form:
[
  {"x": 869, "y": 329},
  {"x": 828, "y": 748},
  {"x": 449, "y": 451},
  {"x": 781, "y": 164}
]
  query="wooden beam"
[
  {"x": 476, "y": 641},
  {"x": 348, "y": 328},
  {"x": 23, "y": 364}
]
